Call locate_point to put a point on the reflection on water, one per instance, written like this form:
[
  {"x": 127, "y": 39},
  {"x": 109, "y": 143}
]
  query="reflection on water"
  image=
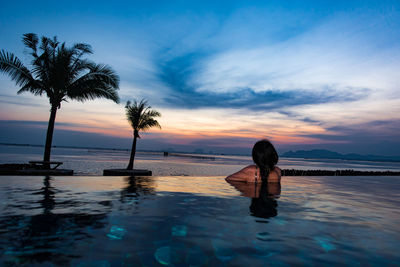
[
  {"x": 48, "y": 195},
  {"x": 263, "y": 197},
  {"x": 198, "y": 221},
  {"x": 137, "y": 186},
  {"x": 43, "y": 236}
]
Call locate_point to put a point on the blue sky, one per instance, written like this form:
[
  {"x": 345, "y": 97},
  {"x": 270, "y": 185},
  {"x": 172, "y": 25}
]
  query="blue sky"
[{"x": 305, "y": 74}]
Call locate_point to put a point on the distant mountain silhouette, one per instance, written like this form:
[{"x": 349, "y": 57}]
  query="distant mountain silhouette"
[{"x": 326, "y": 154}]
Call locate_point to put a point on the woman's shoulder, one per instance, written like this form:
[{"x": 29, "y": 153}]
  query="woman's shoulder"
[
  {"x": 249, "y": 174},
  {"x": 277, "y": 170},
  {"x": 275, "y": 175},
  {"x": 250, "y": 168},
  {"x": 244, "y": 174}
]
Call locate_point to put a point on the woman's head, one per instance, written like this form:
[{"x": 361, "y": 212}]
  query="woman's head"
[{"x": 264, "y": 155}]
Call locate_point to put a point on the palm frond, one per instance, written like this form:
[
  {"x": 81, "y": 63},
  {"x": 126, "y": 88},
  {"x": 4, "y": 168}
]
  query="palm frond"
[
  {"x": 153, "y": 113},
  {"x": 100, "y": 78},
  {"x": 93, "y": 92},
  {"x": 54, "y": 43},
  {"x": 44, "y": 44},
  {"x": 49, "y": 46},
  {"x": 43, "y": 64},
  {"x": 141, "y": 116},
  {"x": 78, "y": 68},
  {"x": 60, "y": 71},
  {"x": 78, "y": 50},
  {"x": 31, "y": 40},
  {"x": 12, "y": 66},
  {"x": 82, "y": 49},
  {"x": 101, "y": 81},
  {"x": 34, "y": 87},
  {"x": 149, "y": 123},
  {"x": 104, "y": 73}
]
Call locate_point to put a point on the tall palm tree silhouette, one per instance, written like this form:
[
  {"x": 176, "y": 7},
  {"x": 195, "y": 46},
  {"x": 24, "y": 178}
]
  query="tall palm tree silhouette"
[
  {"x": 61, "y": 73},
  {"x": 141, "y": 117}
]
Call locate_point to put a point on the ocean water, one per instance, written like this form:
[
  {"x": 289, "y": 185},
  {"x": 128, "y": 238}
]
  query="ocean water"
[
  {"x": 198, "y": 221},
  {"x": 93, "y": 161}
]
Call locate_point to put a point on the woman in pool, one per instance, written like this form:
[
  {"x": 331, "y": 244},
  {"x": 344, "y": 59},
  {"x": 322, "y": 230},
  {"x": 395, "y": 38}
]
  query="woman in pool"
[
  {"x": 261, "y": 181},
  {"x": 264, "y": 170}
]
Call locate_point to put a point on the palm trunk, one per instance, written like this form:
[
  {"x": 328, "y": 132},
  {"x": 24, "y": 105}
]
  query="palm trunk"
[
  {"x": 133, "y": 150},
  {"x": 49, "y": 136}
]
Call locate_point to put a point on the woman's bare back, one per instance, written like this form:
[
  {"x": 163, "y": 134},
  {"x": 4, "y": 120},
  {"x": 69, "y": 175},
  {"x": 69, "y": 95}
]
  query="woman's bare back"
[{"x": 251, "y": 174}]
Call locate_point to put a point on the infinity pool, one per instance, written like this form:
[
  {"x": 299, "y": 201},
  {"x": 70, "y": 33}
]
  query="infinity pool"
[{"x": 199, "y": 221}]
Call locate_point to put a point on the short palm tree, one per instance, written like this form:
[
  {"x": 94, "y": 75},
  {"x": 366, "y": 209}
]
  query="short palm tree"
[
  {"x": 141, "y": 117},
  {"x": 61, "y": 73}
]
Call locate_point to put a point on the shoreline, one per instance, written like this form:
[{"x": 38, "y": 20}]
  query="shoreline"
[
  {"x": 205, "y": 156},
  {"x": 26, "y": 170}
]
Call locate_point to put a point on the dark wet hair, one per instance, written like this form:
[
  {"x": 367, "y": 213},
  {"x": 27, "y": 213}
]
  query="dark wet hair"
[
  {"x": 265, "y": 206},
  {"x": 263, "y": 209},
  {"x": 265, "y": 157}
]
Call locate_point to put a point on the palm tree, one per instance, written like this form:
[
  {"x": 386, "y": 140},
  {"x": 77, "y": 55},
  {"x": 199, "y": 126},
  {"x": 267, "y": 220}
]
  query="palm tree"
[
  {"x": 61, "y": 73},
  {"x": 141, "y": 117}
]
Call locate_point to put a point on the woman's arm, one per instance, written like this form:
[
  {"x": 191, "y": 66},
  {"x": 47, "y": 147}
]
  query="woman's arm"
[
  {"x": 244, "y": 175},
  {"x": 248, "y": 175}
]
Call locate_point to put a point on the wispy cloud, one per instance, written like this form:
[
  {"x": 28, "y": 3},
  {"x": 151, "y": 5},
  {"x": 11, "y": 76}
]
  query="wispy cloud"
[
  {"x": 20, "y": 100},
  {"x": 290, "y": 71},
  {"x": 335, "y": 61},
  {"x": 341, "y": 51}
]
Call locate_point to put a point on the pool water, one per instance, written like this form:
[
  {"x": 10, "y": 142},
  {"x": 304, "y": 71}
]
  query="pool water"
[{"x": 199, "y": 221}]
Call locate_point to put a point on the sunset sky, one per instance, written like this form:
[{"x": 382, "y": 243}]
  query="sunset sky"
[{"x": 304, "y": 74}]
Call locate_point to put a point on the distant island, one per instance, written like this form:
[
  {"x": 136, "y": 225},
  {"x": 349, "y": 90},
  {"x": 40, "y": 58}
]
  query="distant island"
[
  {"x": 305, "y": 154},
  {"x": 326, "y": 154},
  {"x": 169, "y": 151}
]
